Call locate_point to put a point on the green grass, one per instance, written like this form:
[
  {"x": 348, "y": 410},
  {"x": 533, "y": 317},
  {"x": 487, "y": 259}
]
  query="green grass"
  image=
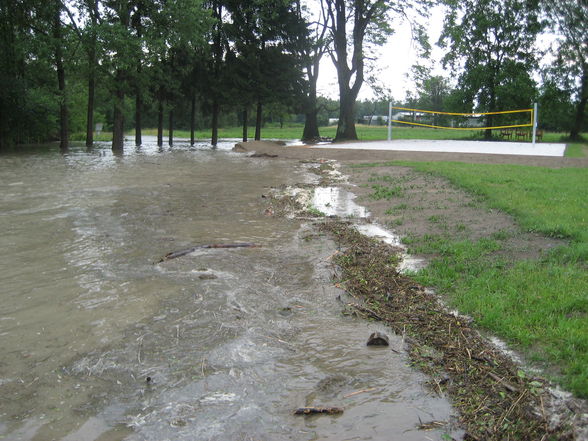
[
  {"x": 269, "y": 132},
  {"x": 386, "y": 192},
  {"x": 539, "y": 306},
  {"x": 576, "y": 150},
  {"x": 81, "y": 136},
  {"x": 364, "y": 133}
]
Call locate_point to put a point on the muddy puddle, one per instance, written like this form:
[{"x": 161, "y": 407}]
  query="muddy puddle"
[{"x": 100, "y": 343}]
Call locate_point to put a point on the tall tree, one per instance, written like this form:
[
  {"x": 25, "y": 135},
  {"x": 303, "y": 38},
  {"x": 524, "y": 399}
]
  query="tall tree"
[
  {"x": 92, "y": 6},
  {"x": 88, "y": 37},
  {"x": 32, "y": 70},
  {"x": 314, "y": 45},
  {"x": 354, "y": 26},
  {"x": 137, "y": 24},
  {"x": 12, "y": 24},
  {"x": 490, "y": 47},
  {"x": 122, "y": 45},
  {"x": 570, "y": 22},
  {"x": 58, "y": 43},
  {"x": 92, "y": 70},
  {"x": 265, "y": 35},
  {"x": 217, "y": 50}
]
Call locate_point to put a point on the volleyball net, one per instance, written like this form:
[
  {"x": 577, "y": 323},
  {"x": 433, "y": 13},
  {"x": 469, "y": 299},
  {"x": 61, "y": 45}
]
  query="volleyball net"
[{"x": 505, "y": 120}]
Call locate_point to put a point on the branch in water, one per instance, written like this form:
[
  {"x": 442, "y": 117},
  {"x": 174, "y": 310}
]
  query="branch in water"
[{"x": 181, "y": 253}]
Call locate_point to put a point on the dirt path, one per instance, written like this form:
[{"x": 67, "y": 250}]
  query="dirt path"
[{"x": 420, "y": 204}]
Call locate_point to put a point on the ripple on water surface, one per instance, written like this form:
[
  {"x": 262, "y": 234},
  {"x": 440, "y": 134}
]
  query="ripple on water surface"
[{"x": 101, "y": 343}]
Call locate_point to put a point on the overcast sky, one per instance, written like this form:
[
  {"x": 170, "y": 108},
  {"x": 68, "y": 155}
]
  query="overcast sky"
[{"x": 395, "y": 60}]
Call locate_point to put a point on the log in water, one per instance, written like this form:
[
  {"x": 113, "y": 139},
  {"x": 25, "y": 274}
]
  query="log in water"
[{"x": 185, "y": 251}]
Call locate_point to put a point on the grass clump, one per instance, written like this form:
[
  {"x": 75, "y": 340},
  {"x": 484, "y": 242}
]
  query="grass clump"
[{"x": 386, "y": 192}]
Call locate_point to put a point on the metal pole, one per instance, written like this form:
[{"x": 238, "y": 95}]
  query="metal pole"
[
  {"x": 390, "y": 121},
  {"x": 534, "y": 122}
]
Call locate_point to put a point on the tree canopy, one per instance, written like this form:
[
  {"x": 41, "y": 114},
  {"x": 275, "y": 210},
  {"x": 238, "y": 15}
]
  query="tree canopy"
[
  {"x": 569, "y": 20},
  {"x": 490, "y": 47},
  {"x": 68, "y": 65}
]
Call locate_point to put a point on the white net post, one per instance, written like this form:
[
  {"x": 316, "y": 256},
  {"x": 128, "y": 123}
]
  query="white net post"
[
  {"x": 390, "y": 121},
  {"x": 534, "y": 123}
]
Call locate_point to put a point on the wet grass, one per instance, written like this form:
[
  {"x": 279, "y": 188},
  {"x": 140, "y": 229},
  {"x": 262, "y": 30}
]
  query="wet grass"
[
  {"x": 98, "y": 137},
  {"x": 365, "y": 132},
  {"x": 386, "y": 192},
  {"x": 496, "y": 400},
  {"x": 540, "y": 306},
  {"x": 576, "y": 150}
]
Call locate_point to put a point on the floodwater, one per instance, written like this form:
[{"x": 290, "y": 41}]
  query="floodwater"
[{"x": 100, "y": 343}]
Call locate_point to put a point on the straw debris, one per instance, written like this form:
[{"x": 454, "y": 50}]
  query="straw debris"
[{"x": 495, "y": 398}]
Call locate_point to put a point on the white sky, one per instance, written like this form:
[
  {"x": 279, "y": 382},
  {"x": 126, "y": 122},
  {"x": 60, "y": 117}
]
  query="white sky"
[{"x": 395, "y": 60}]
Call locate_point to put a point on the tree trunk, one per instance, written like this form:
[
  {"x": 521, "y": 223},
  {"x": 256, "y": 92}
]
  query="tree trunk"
[
  {"x": 160, "y": 121},
  {"x": 258, "y": 121},
  {"x": 118, "y": 136},
  {"x": 245, "y": 124},
  {"x": 91, "y": 79},
  {"x": 311, "y": 130},
  {"x": 581, "y": 107},
  {"x": 491, "y": 105},
  {"x": 346, "y": 126},
  {"x": 138, "y": 117},
  {"x": 348, "y": 91},
  {"x": 488, "y": 132},
  {"x": 136, "y": 24},
  {"x": 90, "y": 110},
  {"x": 171, "y": 127},
  {"x": 215, "y": 113},
  {"x": 193, "y": 119},
  {"x": 217, "y": 59},
  {"x": 63, "y": 111}
]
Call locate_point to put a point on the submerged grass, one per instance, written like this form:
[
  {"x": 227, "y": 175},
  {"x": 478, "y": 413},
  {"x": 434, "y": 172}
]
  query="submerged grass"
[{"x": 540, "y": 306}]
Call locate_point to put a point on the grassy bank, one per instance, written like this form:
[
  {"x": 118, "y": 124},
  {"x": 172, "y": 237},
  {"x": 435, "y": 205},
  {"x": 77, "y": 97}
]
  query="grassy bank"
[{"x": 539, "y": 306}]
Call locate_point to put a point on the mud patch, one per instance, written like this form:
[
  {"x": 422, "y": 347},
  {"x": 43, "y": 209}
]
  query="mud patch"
[{"x": 416, "y": 205}]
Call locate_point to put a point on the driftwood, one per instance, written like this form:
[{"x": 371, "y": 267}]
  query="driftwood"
[
  {"x": 317, "y": 410},
  {"x": 357, "y": 392},
  {"x": 181, "y": 253},
  {"x": 263, "y": 155}
]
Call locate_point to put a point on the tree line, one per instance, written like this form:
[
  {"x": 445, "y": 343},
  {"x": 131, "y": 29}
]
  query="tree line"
[{"x": 66, "y": 65}]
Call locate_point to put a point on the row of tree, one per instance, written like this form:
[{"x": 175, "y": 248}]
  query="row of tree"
[{"x": 67, "y": 64}]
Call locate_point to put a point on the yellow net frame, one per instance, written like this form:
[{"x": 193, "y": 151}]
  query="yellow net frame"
[{"x": 478, "y": 114}]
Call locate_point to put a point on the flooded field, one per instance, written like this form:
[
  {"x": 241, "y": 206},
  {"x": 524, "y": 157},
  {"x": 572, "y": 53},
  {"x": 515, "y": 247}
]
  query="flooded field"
[{"x": 101, "y": 343}]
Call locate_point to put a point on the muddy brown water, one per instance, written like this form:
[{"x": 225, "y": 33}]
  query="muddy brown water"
[{"x": 99, "y": 343}]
